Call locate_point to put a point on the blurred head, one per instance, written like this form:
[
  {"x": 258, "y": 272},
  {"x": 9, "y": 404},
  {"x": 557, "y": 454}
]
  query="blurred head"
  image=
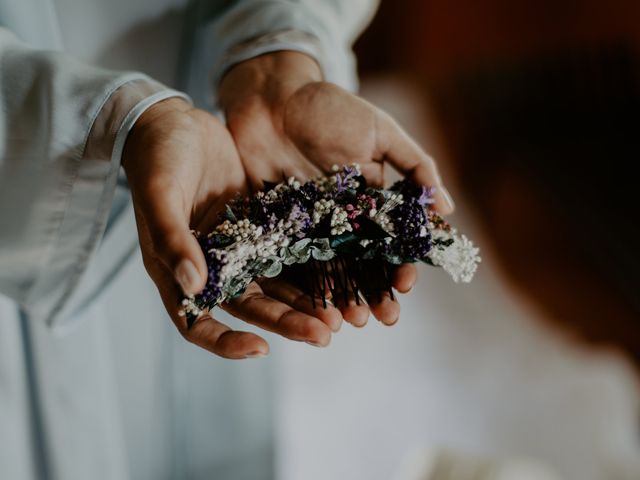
[{"x": 542, "y": 131}]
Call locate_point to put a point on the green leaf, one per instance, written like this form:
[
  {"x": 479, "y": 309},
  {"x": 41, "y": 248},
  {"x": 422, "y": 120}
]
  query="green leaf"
[
  {"x": 274, "y": 268},
  {"x": 323, "y": 243},
  {"x": 346, "y": 237},
  {"x": 394, "y": 259},
  {"x": 444, "y": 243},
  {"x": 237, "y": 287},
  {"x": 300, "y": 246},
  {"x": 229, "y": 215},
  {"x": 322, "y": 255},
  {"x": 289, "y": 259},
  {"x": 304, "y": 258}
]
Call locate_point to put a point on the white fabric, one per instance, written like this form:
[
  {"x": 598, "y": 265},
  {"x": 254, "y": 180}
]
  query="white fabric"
[
  {"x": 53, "y": 202},
  {"x": 116, "y": 393}
]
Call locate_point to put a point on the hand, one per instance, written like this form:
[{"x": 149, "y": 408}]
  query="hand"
[
  {"x": 286, "y": 121},
  {"x": 182, "y": 168}
]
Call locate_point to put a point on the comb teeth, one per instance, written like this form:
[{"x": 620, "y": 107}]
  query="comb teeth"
[{"x": 346, "y": 279}]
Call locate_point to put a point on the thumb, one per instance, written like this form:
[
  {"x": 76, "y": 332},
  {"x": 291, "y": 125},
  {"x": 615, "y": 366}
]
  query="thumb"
[
  {"x": 172, "y": 242},
  {"x": 406, "y": 156}
]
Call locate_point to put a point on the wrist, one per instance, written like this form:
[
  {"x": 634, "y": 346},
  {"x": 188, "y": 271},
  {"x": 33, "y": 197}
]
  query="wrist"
[
  {"x": 272, "y": 78},
  {"x": 145, "y": 123}
]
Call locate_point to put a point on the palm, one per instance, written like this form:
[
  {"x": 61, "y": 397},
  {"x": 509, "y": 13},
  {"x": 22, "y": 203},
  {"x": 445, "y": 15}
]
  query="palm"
[
  {"x": 314, "y": 128},
  {"x": 330, "y": 126},
  {"x": 320, "y": 126},
  {"x": 183, "y": 167}
]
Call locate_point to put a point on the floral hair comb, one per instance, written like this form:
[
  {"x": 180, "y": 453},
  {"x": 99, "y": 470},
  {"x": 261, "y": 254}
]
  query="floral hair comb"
[{"x": 332, "y": 234}]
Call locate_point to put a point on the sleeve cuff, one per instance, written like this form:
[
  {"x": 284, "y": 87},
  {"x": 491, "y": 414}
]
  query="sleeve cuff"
[
  {"x": 89, "y": 203},
  {"x": 249, "y": 29},
  {"x": 292, "y": 40}
]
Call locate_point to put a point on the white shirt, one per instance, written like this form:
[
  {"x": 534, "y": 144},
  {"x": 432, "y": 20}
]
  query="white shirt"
[{"x": 94, "y": 380}]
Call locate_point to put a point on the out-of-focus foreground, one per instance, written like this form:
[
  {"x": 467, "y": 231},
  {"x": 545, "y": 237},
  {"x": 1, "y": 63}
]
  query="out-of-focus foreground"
[{"x": 531, "y": 109}]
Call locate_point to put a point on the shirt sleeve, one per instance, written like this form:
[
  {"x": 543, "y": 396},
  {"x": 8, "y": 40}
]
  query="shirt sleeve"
[
  {"x": 325, "y": 30},
  {"x": 63, "y": 125}
]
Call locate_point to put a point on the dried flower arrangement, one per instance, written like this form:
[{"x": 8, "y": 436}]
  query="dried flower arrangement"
[{"x": 333, "y": 232}]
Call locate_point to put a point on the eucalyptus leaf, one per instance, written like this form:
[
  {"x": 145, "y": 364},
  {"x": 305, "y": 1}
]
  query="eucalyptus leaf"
[
  {"x": 344, "y": 238},
  {"x": 290, "y": 259},
  {"x": 273, "y": 270},
  {"x": 322, "y": 255},
  {"x": 237, "y": 288},
  {"x": 322, "y": 243},
  {"x": 300, "y": 246},
  {"x": 304, "y": 258},
  {"x": 394, "y": 259}
]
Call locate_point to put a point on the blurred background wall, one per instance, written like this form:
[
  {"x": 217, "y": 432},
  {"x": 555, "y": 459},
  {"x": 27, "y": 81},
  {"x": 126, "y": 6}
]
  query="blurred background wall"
[{"x": 530, "y": 108}]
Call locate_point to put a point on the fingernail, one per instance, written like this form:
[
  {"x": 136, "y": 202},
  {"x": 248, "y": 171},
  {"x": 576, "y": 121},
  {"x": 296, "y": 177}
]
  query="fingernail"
[
  {"x": 392, "y": 323},
  {"x": 313, "y": 344},
  {"x": 255, "y": 355},
  {"x": 446, "y": 197},
  {"x": 187, "y": 276}
]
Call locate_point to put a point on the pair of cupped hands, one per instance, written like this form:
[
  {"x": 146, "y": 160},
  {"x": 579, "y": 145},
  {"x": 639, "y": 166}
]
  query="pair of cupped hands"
[{"x": 183, "y": 165}]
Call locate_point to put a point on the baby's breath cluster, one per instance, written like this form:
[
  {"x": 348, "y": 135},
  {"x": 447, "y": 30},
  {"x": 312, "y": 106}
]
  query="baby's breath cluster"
[
  {"x": 327, "y": 217},
  {"x": 321, "y": 208},
  {"x": 340, "y": 222},
  {"x": 240, "y": 230}
]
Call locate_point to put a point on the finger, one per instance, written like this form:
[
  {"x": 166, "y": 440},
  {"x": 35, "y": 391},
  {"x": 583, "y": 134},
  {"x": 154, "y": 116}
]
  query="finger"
[
  {"x": 385, "y": 309},
  {"x": 354, "y": 310},
  {"x": 374, "y": 173},
  {"x": 161, "y": 208},
  {"x": 356, "y": 315},
  {"x": 218, "y": 338},
  {"x": 405, "y": 277},
  {"x": 342, "y": 292},
  {"x": 294, "y": 297},
  {"x": 265, "y": 312},
  {"x": 206, "y": 332},
  {"x": 406, "y": 156}
]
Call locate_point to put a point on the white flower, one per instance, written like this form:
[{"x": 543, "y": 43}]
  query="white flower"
[
  {"x": 460, "y": 259},
  {"x": 240, "y": 230},
  {"x": 385, "y": 222},
  {"x": 189, "y": 307},
  {"x": 321, "y": 208},
  {"x": 340, "y": 221},
  {"x": 381, "y": 216},
  {"x": 293, "y": 183}
]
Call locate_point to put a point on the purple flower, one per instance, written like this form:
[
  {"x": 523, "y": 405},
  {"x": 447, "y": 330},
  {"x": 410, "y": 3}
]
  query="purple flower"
[
  {"x": 346, "y": 178},
  {"x": 426, "y": 196},
  {"x": 301, "y": 220},
  {"x": 409, "y": 219}
]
